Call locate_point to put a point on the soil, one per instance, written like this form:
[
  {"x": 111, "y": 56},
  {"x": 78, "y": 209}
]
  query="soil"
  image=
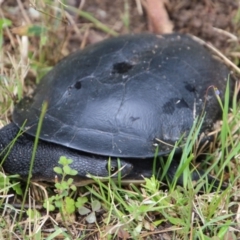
[
  {"x": 198, "y": 17},
  {"x": 214, "y": 21}
]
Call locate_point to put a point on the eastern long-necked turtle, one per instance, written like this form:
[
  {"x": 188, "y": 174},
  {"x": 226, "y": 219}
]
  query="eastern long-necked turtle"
[{"x": 115, "y": 99}]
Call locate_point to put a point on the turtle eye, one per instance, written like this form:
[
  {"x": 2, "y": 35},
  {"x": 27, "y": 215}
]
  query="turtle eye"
[{"x": 113, "y": 169}]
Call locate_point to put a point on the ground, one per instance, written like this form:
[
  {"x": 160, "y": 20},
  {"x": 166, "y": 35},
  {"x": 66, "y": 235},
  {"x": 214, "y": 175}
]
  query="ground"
[{"x": 39, "y": 34}]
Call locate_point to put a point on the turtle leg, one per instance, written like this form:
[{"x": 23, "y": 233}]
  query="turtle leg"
[{"x": 17, "y": 159}]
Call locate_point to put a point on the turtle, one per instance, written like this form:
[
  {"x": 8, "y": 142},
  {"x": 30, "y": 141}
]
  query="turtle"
[{"x": 117, "y": 100}]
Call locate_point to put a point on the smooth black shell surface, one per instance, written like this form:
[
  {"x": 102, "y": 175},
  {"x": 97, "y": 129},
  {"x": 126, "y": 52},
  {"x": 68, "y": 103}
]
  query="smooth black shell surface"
[{"x": 116, "y": 97}]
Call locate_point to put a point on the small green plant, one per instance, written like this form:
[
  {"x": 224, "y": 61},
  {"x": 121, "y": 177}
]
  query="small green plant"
[
  {"x": 63, "y": 199},
  {"x": 95, "y": 207}
]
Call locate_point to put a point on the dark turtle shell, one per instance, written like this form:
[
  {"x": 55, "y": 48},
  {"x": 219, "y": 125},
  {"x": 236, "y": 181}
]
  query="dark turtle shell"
[{"x": 115, "y": 98}]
